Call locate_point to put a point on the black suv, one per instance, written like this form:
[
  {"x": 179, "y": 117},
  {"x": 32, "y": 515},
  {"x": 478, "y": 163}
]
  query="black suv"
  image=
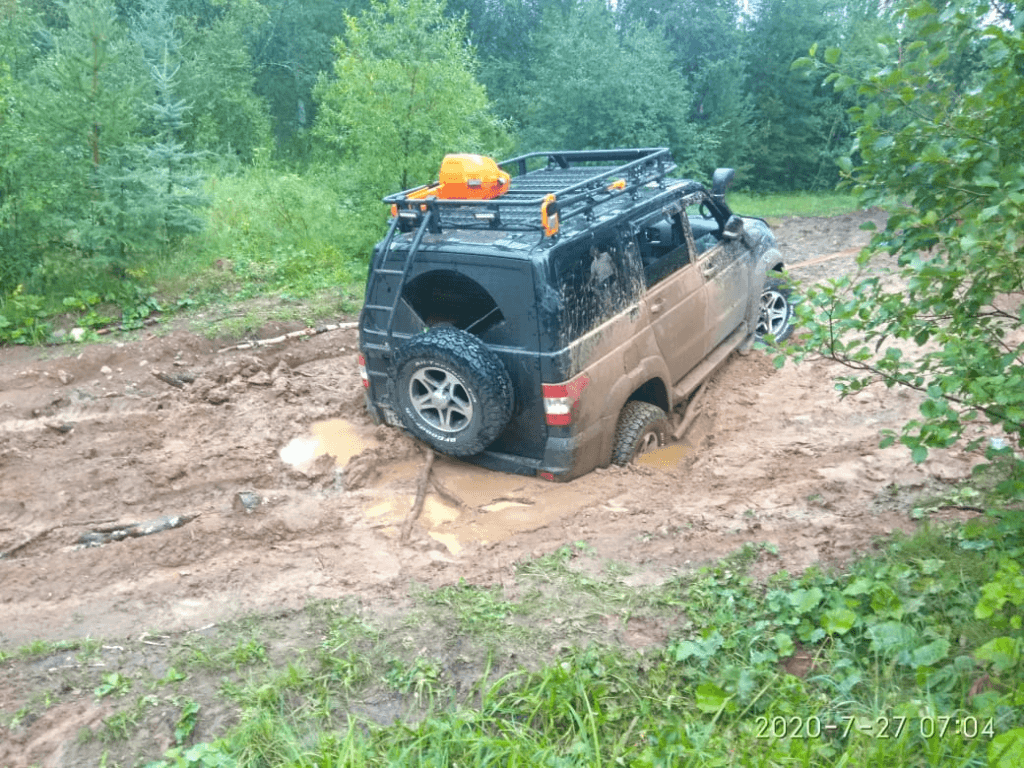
[{"x": 556, "y": 312}]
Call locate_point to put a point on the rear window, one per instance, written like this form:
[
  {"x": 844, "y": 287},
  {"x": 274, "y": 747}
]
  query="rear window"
[{"x": 595, "y": 279}]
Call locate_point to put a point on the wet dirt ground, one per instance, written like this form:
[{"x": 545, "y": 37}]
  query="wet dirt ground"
[{"x": 268, "y": 486}]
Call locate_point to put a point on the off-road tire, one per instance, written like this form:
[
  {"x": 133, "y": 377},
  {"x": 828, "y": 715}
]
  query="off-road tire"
[
  {"x": 775, "y": 314},
  {"x": 641, "y": 428},
  {"x": 453, "y": 392}
]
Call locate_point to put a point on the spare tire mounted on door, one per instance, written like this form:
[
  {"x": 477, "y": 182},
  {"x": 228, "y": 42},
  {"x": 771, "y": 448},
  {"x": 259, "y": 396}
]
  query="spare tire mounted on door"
[{"x": 453, "y": 392}]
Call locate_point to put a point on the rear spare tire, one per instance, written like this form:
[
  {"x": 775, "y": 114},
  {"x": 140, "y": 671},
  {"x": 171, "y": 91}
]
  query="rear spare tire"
[
  {"x": 453, "y": 392},
  {"x": 642, "y": 427}
]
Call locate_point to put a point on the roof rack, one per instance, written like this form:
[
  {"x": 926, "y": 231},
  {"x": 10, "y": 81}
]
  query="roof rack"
[{"x": 547, "y": 189}]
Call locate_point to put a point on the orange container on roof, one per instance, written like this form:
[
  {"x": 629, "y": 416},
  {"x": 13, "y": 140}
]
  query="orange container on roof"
[{"x": 470, "y": 177}]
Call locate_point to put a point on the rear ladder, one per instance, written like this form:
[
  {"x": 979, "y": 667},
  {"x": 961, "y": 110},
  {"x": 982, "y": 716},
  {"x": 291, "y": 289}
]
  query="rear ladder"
[{"x": 379, "y": 326}]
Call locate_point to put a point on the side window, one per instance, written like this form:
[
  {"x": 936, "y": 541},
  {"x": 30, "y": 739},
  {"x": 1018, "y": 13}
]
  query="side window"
[
  {"x": 663, "y": 247},
  {"x": 707, "y": 232},
  {"x": 595, "y": 280}
]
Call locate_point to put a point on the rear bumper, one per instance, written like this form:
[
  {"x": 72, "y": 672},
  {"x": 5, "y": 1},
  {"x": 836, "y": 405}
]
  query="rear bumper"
[
  {"x": 566, "y": 455},
  {"x": 564, "y": 458}
]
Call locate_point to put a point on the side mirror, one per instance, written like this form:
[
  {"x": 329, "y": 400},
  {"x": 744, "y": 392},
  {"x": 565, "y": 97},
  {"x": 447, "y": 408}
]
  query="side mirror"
[{"x": 733, "y": 228}]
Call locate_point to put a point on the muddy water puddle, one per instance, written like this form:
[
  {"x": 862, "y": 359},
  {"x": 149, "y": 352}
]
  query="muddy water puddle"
[
  {"x": 667, "y": 456},
  {"x": 335, "y": 437},
  {"x": 495, "y": 506}
]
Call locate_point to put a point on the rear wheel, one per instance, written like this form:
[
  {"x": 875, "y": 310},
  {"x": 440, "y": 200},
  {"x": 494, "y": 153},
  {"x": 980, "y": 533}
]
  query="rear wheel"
[{"x": 642, "y": 427}]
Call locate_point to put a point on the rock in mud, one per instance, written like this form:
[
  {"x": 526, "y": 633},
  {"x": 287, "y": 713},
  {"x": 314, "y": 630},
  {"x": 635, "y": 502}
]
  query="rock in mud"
[
  {"x": 260, "y": 379},
  {"x": 246, "y": 501}
]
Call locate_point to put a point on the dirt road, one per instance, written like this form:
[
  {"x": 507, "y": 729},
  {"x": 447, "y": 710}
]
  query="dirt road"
[{"x": 269, "y": 486}]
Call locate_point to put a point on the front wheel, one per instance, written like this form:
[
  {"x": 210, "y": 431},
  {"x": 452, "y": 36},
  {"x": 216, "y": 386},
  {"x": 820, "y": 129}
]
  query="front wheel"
[
  {"x": 642, "y": 427},
  {"x": 776, "y": 313}
]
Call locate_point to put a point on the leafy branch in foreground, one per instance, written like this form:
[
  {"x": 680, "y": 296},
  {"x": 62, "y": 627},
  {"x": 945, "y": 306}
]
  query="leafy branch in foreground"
[{"x": 938, "y": 132}]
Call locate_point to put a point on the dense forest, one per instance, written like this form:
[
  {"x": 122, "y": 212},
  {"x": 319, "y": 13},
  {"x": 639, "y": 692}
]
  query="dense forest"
[{"x": 118, "y": 117}]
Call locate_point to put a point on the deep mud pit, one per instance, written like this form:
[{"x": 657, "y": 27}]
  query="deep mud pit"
[{"x": 288, "y": 493}]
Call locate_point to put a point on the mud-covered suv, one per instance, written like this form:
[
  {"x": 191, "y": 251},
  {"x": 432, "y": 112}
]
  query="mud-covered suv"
[{"x": 556, "y": 312}]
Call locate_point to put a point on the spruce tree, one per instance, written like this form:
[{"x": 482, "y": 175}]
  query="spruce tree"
[{"x": 153, "y": 185}]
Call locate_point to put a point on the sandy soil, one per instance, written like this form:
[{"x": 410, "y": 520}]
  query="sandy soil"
[{"x": 273, "y": 488}]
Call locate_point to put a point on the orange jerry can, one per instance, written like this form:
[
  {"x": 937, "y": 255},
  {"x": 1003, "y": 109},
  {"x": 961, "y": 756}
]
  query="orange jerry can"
[{"x": 471, "y": 177}]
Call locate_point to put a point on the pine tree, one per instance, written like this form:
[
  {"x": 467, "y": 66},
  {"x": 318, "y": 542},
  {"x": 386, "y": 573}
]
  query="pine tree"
[
  {"x": 81, "y": 107},
  {"x": 155, "y": 185}
]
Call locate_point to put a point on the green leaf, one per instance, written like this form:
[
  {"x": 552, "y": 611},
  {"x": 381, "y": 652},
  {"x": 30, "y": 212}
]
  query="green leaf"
[
  {"x": 890, "y": 636},
  {"x": 805, "y": 600},
  {"x": 1003, "y": 652},
  {"x": 930, "y": 654},
  {"x": 1007, "y": 749},
  {"x": 838, "y": 621},
  {"x": 710, "y": 698},
  {"x": 784, "y": 644},
  {"x": 859, "y": 586},
  {"x": 687, "y": 648}
]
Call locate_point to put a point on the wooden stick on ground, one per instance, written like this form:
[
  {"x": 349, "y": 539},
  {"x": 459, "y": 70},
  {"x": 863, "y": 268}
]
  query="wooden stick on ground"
[
  {"x": 451, "y": 497},
  {"x": 40, "y": 534},
  {"x": 293, "y": 335},
  {"x": 421, "y": 495}
]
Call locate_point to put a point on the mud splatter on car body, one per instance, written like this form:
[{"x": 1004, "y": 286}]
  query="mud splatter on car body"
[{"x": 513, "y": 330}]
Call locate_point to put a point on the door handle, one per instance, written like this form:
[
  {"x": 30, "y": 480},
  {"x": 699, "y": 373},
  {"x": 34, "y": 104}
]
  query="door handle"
[{"x": 657, "y": 305}]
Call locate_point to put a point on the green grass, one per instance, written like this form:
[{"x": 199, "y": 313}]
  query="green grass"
[
  {"x": 236, "y": 648},
  {"x": 271, "y": 234},
  {"x": 876, "y": 665},
  {"x": 271, "y": 231},
  {"x": 793, "y": 204},
  {"x": 861, "y": 667}
]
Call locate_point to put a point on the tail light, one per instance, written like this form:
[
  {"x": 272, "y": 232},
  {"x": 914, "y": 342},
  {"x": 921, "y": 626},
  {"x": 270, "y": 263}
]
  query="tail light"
[
  {"x": 561, "y": 400},
  {"x": 362, "y": 371}
]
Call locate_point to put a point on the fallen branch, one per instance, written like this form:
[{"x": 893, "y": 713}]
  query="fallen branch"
[
  {"x": 451, "y": 497},
  {"x": 111, "y": 328},
  {"x": 305, "y": 332},
  {"x": 526, "y": 501},
  {"x": 7, "y": 553},
  {"x": 421, "y": 495},
  {"x": 105, "y": 535},
  {"x": 46, "y": 531}
]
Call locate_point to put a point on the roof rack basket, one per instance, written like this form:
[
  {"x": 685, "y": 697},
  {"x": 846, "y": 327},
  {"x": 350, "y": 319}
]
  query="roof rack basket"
[{"x": 547, "y": 188}]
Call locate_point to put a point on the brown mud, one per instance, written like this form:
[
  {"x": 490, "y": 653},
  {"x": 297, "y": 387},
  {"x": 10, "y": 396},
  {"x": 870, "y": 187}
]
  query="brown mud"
[{"x": 287, "y": 492}]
